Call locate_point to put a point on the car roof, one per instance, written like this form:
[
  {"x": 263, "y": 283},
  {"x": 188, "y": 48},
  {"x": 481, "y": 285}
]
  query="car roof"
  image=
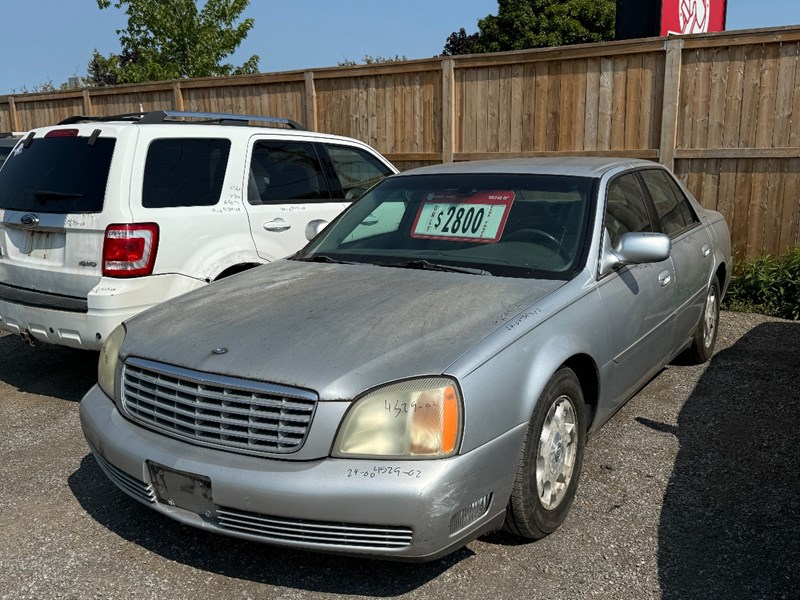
[{"x": 577, "y": 166}]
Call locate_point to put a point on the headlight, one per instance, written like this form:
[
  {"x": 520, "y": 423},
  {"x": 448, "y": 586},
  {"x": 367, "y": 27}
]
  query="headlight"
[
  {"x": 109, "y": 357},
  {"x": 420, "y": 418}
]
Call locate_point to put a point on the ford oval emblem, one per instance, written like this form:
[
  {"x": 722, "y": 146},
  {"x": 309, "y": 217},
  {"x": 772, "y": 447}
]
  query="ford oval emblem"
[
  {"x": 29, "y": 220},
  {"x": 219, "y": 350}
]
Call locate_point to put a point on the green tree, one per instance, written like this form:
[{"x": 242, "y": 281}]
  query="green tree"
[
  {"x": 521, "y": 24},
  {"x": 173, "y": 39}
]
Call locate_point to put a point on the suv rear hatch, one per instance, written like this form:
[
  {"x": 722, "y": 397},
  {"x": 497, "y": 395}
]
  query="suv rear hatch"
[{"x": 52, "y": 192}]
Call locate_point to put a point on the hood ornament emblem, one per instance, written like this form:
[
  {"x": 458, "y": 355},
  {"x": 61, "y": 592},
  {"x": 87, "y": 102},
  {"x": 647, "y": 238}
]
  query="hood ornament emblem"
[
  {"x": 29, "y": 220},
  {"x": 219, "y": 350}
]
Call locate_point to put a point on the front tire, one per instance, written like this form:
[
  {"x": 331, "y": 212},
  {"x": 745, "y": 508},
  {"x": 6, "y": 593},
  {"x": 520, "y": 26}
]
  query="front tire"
[
  {"x": 550, "y": 460},
  {"x": 705, "y": 335}
]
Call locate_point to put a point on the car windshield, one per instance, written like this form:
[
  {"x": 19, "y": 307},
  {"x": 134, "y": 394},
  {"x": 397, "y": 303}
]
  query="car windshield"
[{"x": 506, "y": 225}]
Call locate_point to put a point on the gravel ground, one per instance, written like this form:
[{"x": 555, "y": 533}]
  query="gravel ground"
[{"x": 691, "y": 491}]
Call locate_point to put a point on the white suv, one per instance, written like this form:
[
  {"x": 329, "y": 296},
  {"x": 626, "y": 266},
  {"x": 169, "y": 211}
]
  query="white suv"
[{"x": 105, "y": 217}]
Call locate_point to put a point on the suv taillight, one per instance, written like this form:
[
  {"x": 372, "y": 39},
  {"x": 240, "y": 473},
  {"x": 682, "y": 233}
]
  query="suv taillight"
[{"x": 130, "y": 250}]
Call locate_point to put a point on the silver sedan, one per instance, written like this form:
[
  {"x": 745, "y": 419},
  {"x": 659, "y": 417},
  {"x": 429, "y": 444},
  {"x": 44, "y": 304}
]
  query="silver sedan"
[{"x": 426, "y": 370}]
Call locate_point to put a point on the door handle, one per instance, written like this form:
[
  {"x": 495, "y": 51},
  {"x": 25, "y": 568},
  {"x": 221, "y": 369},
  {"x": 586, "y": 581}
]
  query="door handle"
[
  {"x": 277, "y": 225},
  {"x": 706, "y": 250},
  {"x": 665, "y": 278}
]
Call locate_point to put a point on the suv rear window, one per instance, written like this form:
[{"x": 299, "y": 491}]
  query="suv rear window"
[
  {"x": 57, "y": 175},
  {"x": 184, "y": 172}
]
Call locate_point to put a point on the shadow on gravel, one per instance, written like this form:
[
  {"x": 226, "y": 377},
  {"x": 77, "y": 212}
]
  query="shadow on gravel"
[
  {"x": 730, "y": 523},
  {"x": 241, "y": 559},
  {"x": 47, "y": 370}
]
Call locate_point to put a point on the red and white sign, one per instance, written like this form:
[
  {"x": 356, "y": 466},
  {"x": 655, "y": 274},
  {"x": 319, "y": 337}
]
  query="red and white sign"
[
  {"x": 480, "y": 217},
  {"x": 692, "y": 16}
]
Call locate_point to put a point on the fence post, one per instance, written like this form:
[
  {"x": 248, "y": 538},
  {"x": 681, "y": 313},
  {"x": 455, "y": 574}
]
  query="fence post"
[
  {"x": 448, "y": 109},
  {"x": 311, "y": 101},
  {"x": 88, "y": 109},
  {"x": 672, "y": 89},
  {"x": 177, "y": 96},
  {"x": 12, "y": 113}
]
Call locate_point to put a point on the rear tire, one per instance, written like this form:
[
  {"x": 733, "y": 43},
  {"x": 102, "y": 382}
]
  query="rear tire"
[
  {"x": 705, "y": 335},
  {"x": 550, "y": 461}
]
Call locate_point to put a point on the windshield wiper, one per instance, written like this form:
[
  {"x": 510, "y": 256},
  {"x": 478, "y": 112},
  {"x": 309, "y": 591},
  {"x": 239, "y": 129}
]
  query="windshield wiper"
[
  {"x": 427, "y": 265},
  {"x": 324, "y": 258},
  {"x": 46, "y": 195}
]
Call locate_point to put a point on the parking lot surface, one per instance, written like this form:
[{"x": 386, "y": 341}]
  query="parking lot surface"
[{"x": 691, "y": 491}]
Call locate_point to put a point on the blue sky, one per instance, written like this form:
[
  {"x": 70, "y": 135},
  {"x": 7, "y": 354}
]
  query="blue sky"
[{"x": 52, "y": 40}]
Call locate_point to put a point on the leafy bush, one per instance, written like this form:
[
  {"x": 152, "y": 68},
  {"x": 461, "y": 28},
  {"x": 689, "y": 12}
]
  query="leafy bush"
[{"x": 769, "y": 285}]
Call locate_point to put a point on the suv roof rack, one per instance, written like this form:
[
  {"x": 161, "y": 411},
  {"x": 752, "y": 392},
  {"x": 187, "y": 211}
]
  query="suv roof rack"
[{"x": 174, "y": 116}]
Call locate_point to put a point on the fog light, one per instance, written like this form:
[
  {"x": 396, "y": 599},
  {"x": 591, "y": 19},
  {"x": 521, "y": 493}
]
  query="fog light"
[{"x": 470, "y": 514}]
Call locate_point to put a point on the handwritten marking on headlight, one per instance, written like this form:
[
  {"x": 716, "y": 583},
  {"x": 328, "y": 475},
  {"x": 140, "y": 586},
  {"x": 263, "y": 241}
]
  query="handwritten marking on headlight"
[
  {"x": 399, "y": 408},
  {"x": 383, "y": 472}
]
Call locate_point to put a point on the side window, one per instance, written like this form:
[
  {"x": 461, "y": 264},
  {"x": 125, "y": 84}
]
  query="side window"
[
  {"x": 282, "y": 172},
  {"x": 625, "y": 208},
  {"x": 184, "y": 172},
  {"x": 674, "y": 210},
  {"x": 357, "y": 169}
]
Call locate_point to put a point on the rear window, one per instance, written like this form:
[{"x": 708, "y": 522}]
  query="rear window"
[
  {"x": 184, "y": 172},
  {"x": 57, "y": 175}
]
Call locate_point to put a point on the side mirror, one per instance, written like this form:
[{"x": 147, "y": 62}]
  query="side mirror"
[
  {"x": 634, "y": 249},
  {"x": 314, "y": 228}
]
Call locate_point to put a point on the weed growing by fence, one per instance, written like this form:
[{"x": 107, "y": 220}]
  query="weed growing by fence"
[{"x": 769, "y": 285}]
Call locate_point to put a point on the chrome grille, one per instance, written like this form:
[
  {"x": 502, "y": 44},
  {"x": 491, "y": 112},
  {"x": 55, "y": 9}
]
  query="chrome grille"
[
  {"x": 217, "y": 410},
  {"x": 278, "y": 529},
  {"x": 127, "y": 483}
]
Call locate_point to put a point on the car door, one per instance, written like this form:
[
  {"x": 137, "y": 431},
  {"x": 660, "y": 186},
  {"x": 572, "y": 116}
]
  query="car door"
[
  {"x": 287, "y": 189},
  {"x": 691, "y": 249},
  {"x": 638, "y": 299}
]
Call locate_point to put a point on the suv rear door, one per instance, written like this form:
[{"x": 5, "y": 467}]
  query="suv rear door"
[{"x": 53, "y": 190}]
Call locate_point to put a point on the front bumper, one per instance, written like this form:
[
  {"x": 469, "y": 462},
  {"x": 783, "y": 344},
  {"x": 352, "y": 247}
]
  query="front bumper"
[
  {"x": 381, "y": 508},
  {"x": 110, "y": 303}
]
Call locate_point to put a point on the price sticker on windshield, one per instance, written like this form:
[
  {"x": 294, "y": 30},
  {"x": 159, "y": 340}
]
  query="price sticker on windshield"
[{"x": 477, "y": 218}]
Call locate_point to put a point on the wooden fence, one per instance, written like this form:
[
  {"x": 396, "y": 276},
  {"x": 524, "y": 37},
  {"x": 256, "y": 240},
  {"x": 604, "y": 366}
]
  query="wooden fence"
[{"x": 722, "y": 110}]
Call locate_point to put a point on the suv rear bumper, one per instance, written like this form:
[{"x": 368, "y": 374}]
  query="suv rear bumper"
[{"x": 107, "y": 305}]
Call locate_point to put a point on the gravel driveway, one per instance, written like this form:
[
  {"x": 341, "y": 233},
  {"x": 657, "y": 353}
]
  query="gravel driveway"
[{"x": 691, "y": 491}]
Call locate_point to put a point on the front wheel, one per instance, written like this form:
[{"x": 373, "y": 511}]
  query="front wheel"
[
  {"x": 705, "y": 335},
  {"x": 550, "y": 461}
]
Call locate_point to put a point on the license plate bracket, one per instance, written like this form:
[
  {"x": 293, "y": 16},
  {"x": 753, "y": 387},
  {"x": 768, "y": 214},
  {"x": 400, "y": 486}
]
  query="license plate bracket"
[{"x": 182, "y": 489}]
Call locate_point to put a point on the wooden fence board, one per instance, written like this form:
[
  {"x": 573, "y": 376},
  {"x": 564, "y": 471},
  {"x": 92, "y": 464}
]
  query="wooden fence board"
[
  {"x": 528, "y": 130},
  {"x": 688, "y": 84},
  {"x": 618, "y": 102},
  {"x": 787, "y": 69},
  {"x": 718, "y": 94},
  {"x": 592, "y": 94},
  {"x": 766, "y": 97},
  {"x": 700, "y": 101},
  {"x": 605, "y": 103},
  {"x": 541, "y": 112},
  {"x": 733, "y": 97},
  {"x": 633, "y": 100}
]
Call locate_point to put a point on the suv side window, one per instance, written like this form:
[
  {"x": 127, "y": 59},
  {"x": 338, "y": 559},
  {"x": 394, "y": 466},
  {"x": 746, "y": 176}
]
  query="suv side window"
[
  {"x": 357, "y": 169},
  {"x": 625, "y": 208},
  {"x": 285, "y": 171},
  {"x": 184, "y": 172},
  {"x": 673, "y": 208}
]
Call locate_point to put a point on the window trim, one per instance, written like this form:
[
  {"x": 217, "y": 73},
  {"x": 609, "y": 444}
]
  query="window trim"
[{"x": 677, "y": 187}]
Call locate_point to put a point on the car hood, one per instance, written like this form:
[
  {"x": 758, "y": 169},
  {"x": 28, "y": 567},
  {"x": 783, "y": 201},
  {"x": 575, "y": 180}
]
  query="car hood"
[{"x": 335, "y": 329}]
